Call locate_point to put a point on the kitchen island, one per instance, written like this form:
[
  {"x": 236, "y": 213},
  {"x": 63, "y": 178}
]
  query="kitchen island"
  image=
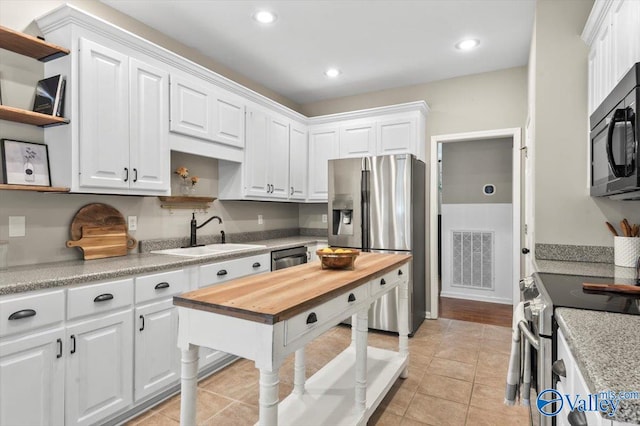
[{"x": 267, "y": 317}]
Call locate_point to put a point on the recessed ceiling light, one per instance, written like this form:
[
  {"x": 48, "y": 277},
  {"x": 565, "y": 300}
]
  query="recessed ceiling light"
[
  {"x": 332, "y": 72},
  {"x": 264, "y": 17},
  {"x": 467, "y": 44}
]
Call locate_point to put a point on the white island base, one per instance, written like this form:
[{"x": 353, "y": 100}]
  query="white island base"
[{"x": 329, "y": 397}]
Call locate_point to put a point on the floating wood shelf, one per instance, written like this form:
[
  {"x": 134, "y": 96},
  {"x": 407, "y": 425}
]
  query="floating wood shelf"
[
  {"x": 29, "y": 117},
  {"x": 8, "y": 187},
  {"x": 27, "y": 45},
  {"x": 185, "y": 202}
]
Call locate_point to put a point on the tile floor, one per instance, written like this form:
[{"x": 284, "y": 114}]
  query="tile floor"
[{"x": 457, "y": 373}]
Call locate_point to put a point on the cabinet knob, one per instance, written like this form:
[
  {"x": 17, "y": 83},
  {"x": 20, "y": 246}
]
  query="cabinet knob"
[
  {"x": 400, "y": 272},
  {"x": 352, "y": 297},
  {"x": 559, "y": 368},
  {"x": 383, "y": 281},
  {"x": 256, "y": 265},
  {"x": 525, "y": 251},
  {"x": 312, "y": 318},
  {"x": 222, "y": 272}
]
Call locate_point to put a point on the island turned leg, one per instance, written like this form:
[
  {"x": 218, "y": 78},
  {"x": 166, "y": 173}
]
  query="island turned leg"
[
  {"x": 268, "y": 400},
  {"x": 299, "y": 375},
  {"x": 362, "y": 326},
  {"x": 354, "y": 322},
  {"x": 189, "y": 384},
  {"x": 403, "y": 323}
]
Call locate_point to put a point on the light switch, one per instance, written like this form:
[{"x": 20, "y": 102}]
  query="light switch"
[
  {"x": 133, "y": 222},
  {"x": 260, "y": 220},
  {"x": 17, "y": 226},
  {"x": 324, "y": 218}
]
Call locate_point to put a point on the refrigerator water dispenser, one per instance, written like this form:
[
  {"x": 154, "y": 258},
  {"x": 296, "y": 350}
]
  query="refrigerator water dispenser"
[{"x": 342, "y": 217}]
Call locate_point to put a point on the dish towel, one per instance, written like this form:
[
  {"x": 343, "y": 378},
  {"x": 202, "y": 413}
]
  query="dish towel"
[{"x": 513, "y": 374}]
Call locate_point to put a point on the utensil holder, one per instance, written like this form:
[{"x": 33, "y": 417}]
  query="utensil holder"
[{"x": 626, "y": 251}]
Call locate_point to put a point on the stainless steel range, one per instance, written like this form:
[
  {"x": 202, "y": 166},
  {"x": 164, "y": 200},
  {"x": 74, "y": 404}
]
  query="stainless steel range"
[{"x": 542, "y": 294}]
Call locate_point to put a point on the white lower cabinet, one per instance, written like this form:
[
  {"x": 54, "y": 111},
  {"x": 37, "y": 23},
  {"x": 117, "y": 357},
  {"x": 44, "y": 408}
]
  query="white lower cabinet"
[
  {"x": 32, "y": 379},
  {"x": 157, "y": 358},
  {"x": 99, "y": 368}
]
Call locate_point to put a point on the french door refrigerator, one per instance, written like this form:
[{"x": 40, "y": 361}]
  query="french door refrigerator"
[{"x": 378, "y": 204}]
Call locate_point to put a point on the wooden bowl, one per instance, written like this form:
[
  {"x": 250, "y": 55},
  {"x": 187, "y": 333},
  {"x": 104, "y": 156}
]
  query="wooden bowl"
[{"x": 344, "y": 260}]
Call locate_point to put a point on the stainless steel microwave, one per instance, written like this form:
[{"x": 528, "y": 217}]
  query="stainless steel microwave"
[{"x": 615, "y": 166}]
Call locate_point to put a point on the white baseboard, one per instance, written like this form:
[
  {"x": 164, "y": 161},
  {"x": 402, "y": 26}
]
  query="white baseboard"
[{"x": 504, "y": 301}]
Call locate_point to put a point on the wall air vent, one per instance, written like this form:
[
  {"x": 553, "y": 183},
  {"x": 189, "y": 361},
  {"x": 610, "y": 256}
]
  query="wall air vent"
[{"x": 473, "y": 259}]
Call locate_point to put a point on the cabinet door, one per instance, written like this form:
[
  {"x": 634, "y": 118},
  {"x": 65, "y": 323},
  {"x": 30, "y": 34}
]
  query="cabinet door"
[
  {"x": 298, "y": 160},
  {"x": 603, "y": 74},
  {"x": 278, "y": 159},
  {"x": 104, "y": 117},
  {"x": 256, "y": 154},
  {"x": 32, "y": 380},
  {"x": 323, "y": 146},
  {"x": 149, "y": 148},
  {"x": 99, "y": 368},
  {"x": 624, "y": 35},
  {"x": 157, "y": 358},
  {"x": 358, "y": 139},
  {"x": 229, "y": 119},
  {"x": 191, "y": 108},
  {"x": 397, "y": 136}
]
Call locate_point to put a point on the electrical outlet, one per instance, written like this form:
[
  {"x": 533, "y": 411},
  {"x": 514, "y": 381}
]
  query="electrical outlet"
[
  {"x": 132, "y": 222},
  {"x": 260, "y": 220},
  {"x": 17, "y": 225},
  {"x": 324, "y": 218}
]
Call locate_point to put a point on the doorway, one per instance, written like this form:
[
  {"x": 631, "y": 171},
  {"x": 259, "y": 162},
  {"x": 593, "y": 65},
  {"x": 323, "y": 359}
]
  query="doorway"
[{"x": 468, "y": 241}]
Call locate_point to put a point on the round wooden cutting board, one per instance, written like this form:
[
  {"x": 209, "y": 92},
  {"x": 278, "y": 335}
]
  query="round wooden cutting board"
[{"x": 98, "y": 215}]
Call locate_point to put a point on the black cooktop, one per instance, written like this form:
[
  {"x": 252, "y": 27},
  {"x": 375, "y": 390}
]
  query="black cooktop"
[{"x": 566, "y": 291}]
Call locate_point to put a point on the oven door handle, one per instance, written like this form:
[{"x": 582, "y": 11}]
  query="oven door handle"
[{"x": 533, "y": 340}]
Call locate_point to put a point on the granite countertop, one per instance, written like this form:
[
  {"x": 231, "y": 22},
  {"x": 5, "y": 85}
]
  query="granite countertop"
[
  {"x": 57, "y": 274},
  {"x": 605, "y": 346},
  {"x": 591, "y": 269}
]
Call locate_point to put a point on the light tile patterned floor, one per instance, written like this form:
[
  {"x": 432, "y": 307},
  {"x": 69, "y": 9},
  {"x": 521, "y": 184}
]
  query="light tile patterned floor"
[{"x": 457, "y": 373}]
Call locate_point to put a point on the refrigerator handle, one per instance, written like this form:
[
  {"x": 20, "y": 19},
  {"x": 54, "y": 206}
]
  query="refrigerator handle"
[{"x": 364, "y": 187}]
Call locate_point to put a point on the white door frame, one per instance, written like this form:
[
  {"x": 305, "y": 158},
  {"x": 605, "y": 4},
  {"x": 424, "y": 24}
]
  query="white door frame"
[{"x": 515, "y": 134}]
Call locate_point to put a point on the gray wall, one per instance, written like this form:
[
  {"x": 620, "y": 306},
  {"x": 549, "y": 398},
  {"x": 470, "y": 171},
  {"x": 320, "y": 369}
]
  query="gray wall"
[
  {"x": 468, "y": 166},
  {"x": 564, "y": 211}
]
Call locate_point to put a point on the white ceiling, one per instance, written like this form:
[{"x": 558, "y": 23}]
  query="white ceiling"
[{"x": 377, "y": 44}]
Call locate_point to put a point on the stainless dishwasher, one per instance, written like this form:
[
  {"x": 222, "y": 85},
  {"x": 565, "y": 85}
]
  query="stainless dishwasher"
[{"x": 281, "y": 259}]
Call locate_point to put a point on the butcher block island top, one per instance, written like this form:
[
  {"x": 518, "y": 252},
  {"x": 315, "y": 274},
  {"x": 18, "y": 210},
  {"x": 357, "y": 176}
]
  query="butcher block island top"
[{"x": 276, "y": 296}]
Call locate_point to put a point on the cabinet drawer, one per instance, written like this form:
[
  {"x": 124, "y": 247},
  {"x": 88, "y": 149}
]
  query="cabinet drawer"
[
  {"x": 97, "y": 298},
  {"x": 165, "y": 284},
  {"x": 30, "y": 311},
  {"x": 389, "y": 279},
  {"x": 301, "y": 324},
  {"x": 217, "y": 273}
]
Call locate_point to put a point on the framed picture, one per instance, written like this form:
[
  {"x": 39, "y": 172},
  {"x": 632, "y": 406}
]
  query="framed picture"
[{"x": 24, "y": 163}]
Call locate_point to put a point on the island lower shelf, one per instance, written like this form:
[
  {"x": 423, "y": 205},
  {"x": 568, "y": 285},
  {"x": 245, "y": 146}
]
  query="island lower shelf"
[{"x": 329, "y": 397}]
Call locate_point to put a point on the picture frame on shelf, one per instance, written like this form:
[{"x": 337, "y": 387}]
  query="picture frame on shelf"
[{"x": 24, "y": 163}]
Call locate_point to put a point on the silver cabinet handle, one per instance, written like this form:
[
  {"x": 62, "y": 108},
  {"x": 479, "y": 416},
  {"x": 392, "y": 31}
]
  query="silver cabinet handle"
[{"x": 25, "y": 313}]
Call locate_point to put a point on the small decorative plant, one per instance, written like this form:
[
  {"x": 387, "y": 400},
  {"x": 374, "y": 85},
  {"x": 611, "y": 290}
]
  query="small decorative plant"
[{"x": 188, "y": 182}]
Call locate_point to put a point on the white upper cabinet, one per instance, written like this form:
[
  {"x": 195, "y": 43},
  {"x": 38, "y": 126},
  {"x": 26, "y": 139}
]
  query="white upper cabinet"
[
  {"x": 358, "y": 138},
  {"x": 298, "y": 160},
  {"x": 323, "y": 146},
  {"x": 104, "y": 112},
  {"x": 148, "y": 127},
  {"x": 202, "y": 110},
  {"x": 191, "y": 112},
  {"x": 613, "y": 35},
  {"x": 267, "y": 150},
  {"x": 397, "y": 135}
]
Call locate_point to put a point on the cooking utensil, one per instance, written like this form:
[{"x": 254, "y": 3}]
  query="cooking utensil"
[
  {"x": 98, "y": 214},
  {"x": 625, "y": 231},
  {"x": 612, "y": 229},
  {"x": 615, "y": 288},
  {"x": 98, "y": 242}
]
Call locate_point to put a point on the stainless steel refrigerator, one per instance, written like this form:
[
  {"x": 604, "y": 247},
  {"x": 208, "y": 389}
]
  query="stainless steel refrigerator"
[{"x": 378, "y": 204}]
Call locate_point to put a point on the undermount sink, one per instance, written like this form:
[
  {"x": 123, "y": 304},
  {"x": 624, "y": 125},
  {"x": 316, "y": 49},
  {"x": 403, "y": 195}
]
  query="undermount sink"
[{"x": 207, "y": 250}]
